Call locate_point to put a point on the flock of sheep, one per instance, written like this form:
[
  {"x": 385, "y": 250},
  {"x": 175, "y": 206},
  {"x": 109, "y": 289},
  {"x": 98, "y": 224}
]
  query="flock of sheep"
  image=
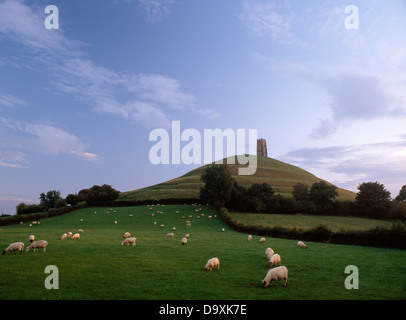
[{"x": 274, "y": 274}]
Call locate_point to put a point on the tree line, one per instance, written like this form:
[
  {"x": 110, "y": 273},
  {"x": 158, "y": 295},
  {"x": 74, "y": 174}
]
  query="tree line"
[
  {"x": 372, "y": 199},
  {"x": 53, "y": 200}
]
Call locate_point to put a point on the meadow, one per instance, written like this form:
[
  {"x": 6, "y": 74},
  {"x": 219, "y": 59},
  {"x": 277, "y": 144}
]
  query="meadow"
[{"x": 159, "y": 268}]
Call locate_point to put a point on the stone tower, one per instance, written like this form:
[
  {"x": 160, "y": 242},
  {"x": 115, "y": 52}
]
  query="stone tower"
[{"x": 261, "y": 148}]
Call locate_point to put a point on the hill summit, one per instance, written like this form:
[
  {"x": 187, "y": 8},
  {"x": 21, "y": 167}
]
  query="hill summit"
[{"x": 280, "y": 175}]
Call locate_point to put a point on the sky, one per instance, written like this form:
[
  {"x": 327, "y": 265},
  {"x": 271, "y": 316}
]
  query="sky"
[{"x": 322, "y": 81}]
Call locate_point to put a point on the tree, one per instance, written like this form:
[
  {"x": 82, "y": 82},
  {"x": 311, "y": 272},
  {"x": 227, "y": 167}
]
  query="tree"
[
  {"x": 72, "y": 199},
  {"x": 300, "y": 192},
  {"x": 219, "y": 185},
  {"x": 372, "y": 198},
  {"x": 402, "y": 194},
  {"x": 98, "y": 194},
  {"x": 49, "y": 200},
  {"x": 323, "y": 195},
  {"x": 262, "y": 195}
]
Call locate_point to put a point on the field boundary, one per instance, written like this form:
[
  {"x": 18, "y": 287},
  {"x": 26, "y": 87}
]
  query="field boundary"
[{"x": 380, "y": 236}]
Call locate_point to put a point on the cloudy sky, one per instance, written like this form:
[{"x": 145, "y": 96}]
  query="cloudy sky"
[{"x": 77, "y": 103}]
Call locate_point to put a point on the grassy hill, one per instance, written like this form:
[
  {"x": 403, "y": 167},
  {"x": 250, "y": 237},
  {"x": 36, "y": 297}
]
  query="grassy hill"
[{"x": 280, "y": 175}]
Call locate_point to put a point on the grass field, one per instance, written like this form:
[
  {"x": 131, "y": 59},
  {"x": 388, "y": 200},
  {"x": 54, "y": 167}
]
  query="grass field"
[
  {"x": 335, "y": 223},
  {"x": 98, "y": 267}
]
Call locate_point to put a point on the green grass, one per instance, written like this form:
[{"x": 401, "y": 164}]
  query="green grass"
[
  {"x": 335, "y": 223},
  {"x": 280, "y": 175},
  {"x": 98, "y": 267}
]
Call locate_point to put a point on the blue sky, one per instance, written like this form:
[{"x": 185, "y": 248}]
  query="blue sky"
[{"x": 77, "y": 103}]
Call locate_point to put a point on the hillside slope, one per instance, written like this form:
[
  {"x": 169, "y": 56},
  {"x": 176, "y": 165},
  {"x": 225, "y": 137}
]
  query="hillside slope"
[{"x": 280, "y": 175}]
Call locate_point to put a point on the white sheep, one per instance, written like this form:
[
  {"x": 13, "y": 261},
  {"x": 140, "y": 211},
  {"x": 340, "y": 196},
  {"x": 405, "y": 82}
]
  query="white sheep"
[
  {"x": 269, "y": 252},
  {"x": 81, "y": 231},
  {"x": 184, "y": 240},
  {"x": 127, "y": 235},
  {"x": 129, "y": 240},
  {"x": 16, "y": 246},
  {"x": 169, "y": 235},
  {"x": 276, "y": 274},
  {"x": 301, "y": 244},
  {"x": 76, "y": 236},
  {"x": 212, "y": 263},
  {"x": 69, "y": 234},
  {"x": 64, "y": 236},
  {"x": 31, "y": 238},
  {"x": 37, "y": 244},
  {"x": 275, "y": 259},
  {"x": 187, "y": 235},
  {"x": 262, "y": 240},
  {"x": 249, "y": 237}
]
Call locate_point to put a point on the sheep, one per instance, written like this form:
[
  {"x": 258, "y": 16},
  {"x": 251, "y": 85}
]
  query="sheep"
[
  {"x": 37, "y": 244},
  {"x": 249, "y": 237},
  {"x": 184, "y": 240},
  {"x": 64, "y": 236},
  {"x": 31, "y": 238},
  {"x": 269, "y": 252},
  {"x": 222, "y": 229},
  {"x": 275, "y": 259},
  {"x": 127, "y": 235},
  {"x": 76, "y": 236},
  {"x": 162, "y": 225},
  {"x": 261, "y": 240},
  {"x": 169, "y": 235},
  {"x": 187, "y": 235},
  {"x": 115, "y": 222},
  {"x": 129, "y": 240},
  {"x": 212, "y": 263},
  {"x": 81, "y": 231},
  {"x": 301, "y": 244},
  {"x": 16, "y": 246},
  {"x": 276, "y": 274}
]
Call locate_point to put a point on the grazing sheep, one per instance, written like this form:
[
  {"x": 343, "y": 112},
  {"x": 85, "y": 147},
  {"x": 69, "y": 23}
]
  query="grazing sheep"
[
  {"x": 64, "y": 236},
  {"x": 262, "y": 240},
  {"x": 81, "y": 231},
  {"x": 275, "y": 259},
  {"x": 129, "y": 240},
  {"x": 16, "y": 246},
  {"x": 69, "y": 234},
  {"x": 301, "y": 244},
  {"x": 31, "y": 238},
  {"x": 249, "y": 237},
  {"x": 222, "y": 229},
  {"x": 276, "y": 274},
  {"x": 184, "y": 240},
  {"x": 269, "y": 252},
  {"x": 187, "y": 235},
  {"x": 212, "y": 263},
  {"x": 174, "y": 228},
  {"x": 37, "y": 244},
  {"x": 76, "y": 236},
  {"x": 169, "y": 235},
  {"x": 115, "y": 222},
  {"x": 162, "y": 225},
  {"x": 127, "y": 235}
]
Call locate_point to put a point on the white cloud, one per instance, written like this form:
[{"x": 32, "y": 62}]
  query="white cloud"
[
  {"x": 348, "y": 166},
  {"x": 11, "y": 101},
  {"x": 267, "y": 19},
  {"x": 41, "y": 138},
  {"x": 145, "y": 99},
  {"x": 156, "y": 10}
]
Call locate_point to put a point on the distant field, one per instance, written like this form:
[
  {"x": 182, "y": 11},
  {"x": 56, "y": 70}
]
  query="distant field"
[
  {"x": 159, "y": 268},
  {"x": 309, "y": 221}
]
